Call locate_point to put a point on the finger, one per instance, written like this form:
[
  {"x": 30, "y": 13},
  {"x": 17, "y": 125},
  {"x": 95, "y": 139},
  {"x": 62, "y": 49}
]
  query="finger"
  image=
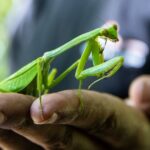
[
  {"x": 139, "y": 94},
  {"x": 103, "y": 116},
  {"x": 14, "y": 109},
  {"x": 14, "y": 115},
  {"x": 11, "y": 141}
]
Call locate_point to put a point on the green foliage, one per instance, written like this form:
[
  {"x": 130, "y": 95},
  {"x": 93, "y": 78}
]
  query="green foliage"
[{"x": 5, "y": 6}]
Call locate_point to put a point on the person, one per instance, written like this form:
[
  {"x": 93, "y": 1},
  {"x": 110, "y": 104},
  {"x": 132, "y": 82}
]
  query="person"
[{"x": 106, "y": 122}]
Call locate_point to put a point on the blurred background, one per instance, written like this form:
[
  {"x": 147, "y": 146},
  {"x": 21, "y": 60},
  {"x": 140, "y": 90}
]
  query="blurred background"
[
  {"x": 11, "y": 13},
  {"x": 28, "y": 28},
  {"x": 4, "y": 37}
]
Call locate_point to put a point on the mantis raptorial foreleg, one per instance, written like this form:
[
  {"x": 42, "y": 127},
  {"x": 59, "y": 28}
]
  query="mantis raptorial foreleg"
[
  {"x": 100, "y": 69},
  {"x": 97, "y": 52},
  {"x": 105, "y": 70}
]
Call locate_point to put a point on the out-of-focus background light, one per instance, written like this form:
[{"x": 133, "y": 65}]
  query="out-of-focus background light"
[
  {"x": 5, "y": 6},
  {"x": 11, "y": 14}
]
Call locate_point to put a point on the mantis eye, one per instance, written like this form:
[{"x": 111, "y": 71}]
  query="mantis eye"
[
  {"x": 115, "y": 26},
  {"x": 110, "y": 24}
]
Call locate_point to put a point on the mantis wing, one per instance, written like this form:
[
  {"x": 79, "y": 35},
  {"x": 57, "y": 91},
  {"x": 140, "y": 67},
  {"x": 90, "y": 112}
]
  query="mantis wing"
[{"x": 19, "y": 80}]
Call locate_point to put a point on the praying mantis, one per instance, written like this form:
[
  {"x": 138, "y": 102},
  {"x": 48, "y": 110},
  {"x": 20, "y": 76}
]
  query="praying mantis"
[{"x": 37, "y": 77}]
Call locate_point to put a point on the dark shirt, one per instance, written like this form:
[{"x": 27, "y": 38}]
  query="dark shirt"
[{"x": 51, "y": 23}]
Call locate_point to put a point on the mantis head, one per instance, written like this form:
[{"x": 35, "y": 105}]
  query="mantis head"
[{"x": 110, "y": 31}]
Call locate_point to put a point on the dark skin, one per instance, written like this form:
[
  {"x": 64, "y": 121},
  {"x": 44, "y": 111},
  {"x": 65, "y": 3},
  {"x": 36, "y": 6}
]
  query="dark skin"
[{"x": 104, "y": 123}]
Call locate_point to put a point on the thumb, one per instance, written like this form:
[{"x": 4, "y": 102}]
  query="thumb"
[{"x": 139, "y": 93}]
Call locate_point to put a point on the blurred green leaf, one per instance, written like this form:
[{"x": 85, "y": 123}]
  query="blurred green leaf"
[{"x": 5, "y": 6}]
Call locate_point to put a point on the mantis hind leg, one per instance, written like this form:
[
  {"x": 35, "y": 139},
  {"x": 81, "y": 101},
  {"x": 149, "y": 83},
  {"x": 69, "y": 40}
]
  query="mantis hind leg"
[
  {"x": 81, "y": 105},
  {"x": 50, "y": 79},
  {"x": 40, "y": 64},
  {"x": 54, "y": 82}
]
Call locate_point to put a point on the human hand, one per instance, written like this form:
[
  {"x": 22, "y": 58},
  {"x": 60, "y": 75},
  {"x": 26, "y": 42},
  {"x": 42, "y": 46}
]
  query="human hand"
[{"x": 105, "y": 123}]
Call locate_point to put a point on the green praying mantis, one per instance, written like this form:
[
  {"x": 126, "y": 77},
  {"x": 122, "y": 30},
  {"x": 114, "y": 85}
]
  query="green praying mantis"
[{"x": 37, "y": 77}]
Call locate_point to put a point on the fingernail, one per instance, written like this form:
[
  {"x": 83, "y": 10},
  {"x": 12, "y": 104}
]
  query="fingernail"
[
  {"x": 51, "y": 120},
  {"x": 2, "y": 118}
]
